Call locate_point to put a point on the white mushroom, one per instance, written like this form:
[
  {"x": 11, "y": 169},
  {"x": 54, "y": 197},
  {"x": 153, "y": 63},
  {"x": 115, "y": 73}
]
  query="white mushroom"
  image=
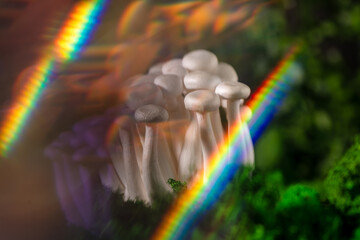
[
  {"x": 175, "y": 67},
  {"x": 201, "y": 59},
  {"x": 202, "y": 102},
  {"x": 234, "y": 93},
  {"x": 227, "y": 74},
  {"x": 148, "y": 78},
  {"x": 198, "y": 80},
  {"x": 157, "y": 68},
  {"x": 245, "y": 113},
  {"x": 154, "y": 167},
  {"x": 134, "y": 185},
  {"x": 172, "y": 86},
  {"x": 140, "y": 95}
]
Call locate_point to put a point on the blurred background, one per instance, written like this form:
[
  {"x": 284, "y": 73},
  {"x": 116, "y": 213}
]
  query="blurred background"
[{"x": 316, "y": 124}]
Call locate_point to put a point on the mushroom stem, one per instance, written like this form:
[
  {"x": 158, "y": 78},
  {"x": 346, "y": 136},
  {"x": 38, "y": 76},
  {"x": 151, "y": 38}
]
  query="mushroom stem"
[
  {"x": 248, "y": 140},
  {"x": 153, "y": 179},
  {"x": 157, "y": 165},
  {"x": 134, "y": 184},
  {"x": 190, "y": 159},
  {"x": 233, "y": 116},
  {"x": 217, "y": 126},
  {"x": 208, "y": 142}
]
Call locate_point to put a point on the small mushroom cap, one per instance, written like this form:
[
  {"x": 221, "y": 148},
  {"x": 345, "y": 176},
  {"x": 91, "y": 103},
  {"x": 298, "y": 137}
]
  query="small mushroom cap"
[
  {"x": 175, "y": 67},
  {"x": 226, "y": 73},
  {"x": 201, "y": 59},
  {"x": 143, "y": 94},
  {"x": 170, "y": 84},
  {"x": 233, "y": 90},
  {"x": 156, "y": 68},
  {"x": 201, "y": 80},
  {"x": 202, "y": 101},
  {"x": 149, "y": 78},
  {"x": 151, "y": 114}
]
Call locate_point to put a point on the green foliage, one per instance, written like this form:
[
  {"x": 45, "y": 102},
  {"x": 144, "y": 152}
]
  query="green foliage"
[
  {"x": 177, "y": 186},
  {"x": 302, "y": 216},
  {"x": 343, "y": 182},
  {"x": 135, "y": 219}
]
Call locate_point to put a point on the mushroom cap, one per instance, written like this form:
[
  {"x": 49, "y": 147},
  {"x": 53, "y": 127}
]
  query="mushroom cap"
[
  {"x": 175, "y": 67},
  {"x": 233, "y": 90},
  {"x": 148, "y": 78},
  {"x": 157, "y": 68},
  {"x": 200, "y": 60},
  {"x": 201, "y": 80},
  {"x": 151, "y": 114},
  {"x": 202, "y": 101},
  {"x": 170, "y": 84},
  {"x": 143, "y": 94},
  {"x": 226, "y": 72}
]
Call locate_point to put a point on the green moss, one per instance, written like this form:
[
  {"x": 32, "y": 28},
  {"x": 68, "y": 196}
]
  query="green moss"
[{"x": 343, "y": 183}]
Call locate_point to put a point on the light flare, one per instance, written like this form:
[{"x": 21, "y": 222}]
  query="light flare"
[{"x": 71, "y": 38}]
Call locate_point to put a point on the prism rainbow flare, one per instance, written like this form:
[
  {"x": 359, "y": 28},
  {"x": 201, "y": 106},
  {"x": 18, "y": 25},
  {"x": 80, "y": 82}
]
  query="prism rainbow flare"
[
  {"x": 193, "y": 202},
  {"x": 71, "y": 38}
]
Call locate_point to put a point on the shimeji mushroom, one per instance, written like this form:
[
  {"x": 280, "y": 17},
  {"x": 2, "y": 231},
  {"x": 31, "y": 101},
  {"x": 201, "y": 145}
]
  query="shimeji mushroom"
[
  {"x": 246, "y": 113},
  {"x": 191, "y": 154},
  {"x": 153, "y": 175},
  {"x": 143, "y": 94},
  {"x": 174, "y": 66},
  {"x": 234, "y": 93},
  {"x": 156, "y": 68},
  {"x": 202, "y": 102},
  {"x": 148, "y": 78},
  {"x": 133, "y": 182},
  {"x": 199, "y": 80},
  {"x": 201, "y": 59},
  {"x": 172, "y": 86},
  {"x": 227, "y": 74}
]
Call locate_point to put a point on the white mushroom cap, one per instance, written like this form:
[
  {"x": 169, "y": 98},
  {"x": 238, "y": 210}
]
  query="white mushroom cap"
[
  {"x": 233, "y": 90},
  {"x": 156, "y": 68},
  {"x": 149, "y": 78},
  {"x": 174, "y": 66},
  {"x": 170, "y": 84},
  {"x": 143, "y": 94},
  {"x": 202, "y": 101},
  {"x": 226, "y": 72},
  {"x": 201, "y": 80},
  {"x": 151, "y": 114},
  {"x": 200, "y": 60}
]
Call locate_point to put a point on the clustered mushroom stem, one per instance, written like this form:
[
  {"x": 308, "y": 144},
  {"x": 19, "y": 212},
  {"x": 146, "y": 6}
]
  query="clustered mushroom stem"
[
  {"x": 233, "y": 116},
  {"x": 153, "y": 178},
  {"x": 190, "y": 159},
  {"x": 250, "y": 161},
  {"x": 208, "y": 142},
  {"x": 134, "y": 184}
]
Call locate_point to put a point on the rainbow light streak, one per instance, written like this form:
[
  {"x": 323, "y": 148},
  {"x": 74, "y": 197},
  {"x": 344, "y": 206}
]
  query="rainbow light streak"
[
  {"x": 193, "y": 203},
  {"x": 73, "y": 35},
  {"x": 266, "y": 101}
]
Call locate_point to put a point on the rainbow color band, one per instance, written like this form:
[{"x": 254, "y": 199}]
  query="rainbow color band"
[
  {"x": 195, "y": 201},
  {"x": 73, "y": 35}
]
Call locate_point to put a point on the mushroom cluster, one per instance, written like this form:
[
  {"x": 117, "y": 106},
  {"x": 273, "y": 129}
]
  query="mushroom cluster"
[
  {"x": 173, "y": 123},
  {"x": 169, "y": 127}
]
